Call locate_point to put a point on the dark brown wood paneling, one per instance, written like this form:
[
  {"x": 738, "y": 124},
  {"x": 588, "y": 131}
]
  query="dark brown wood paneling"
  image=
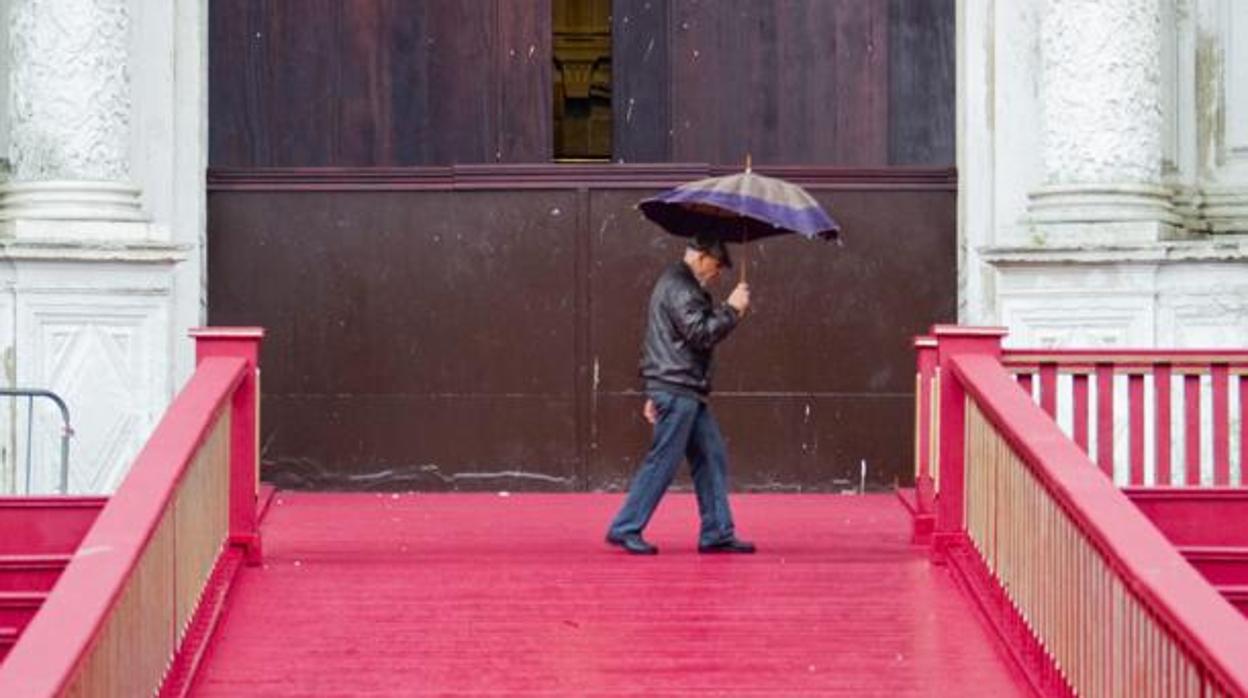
[
  {"x": 921, "y": 82},
  {"x": 478, "y": 327},
  {"x": 525, "y": 81},
  {"x": 419, "y": 82},
  {"x": 861, "y": 76},
  {"x": 462, "y": 70},
  {"x": 641, "y": 89}
]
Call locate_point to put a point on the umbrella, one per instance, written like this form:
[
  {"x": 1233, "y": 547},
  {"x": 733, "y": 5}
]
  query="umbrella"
[{"x": 739, "y": 208}]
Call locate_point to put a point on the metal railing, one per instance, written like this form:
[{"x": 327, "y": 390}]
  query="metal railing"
[{"x": 66, "y": 430}]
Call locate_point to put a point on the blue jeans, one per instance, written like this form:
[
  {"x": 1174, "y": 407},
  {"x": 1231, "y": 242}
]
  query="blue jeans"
[{"x": 685, "y": 428}]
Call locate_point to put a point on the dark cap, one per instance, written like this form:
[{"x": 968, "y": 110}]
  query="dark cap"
[{"x": 712, "y": 246}]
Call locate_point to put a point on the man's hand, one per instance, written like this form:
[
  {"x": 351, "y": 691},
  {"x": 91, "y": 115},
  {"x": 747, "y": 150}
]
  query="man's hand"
[
  {"x": 739, "y": 299},
  {"x": 650, "y": 412}
]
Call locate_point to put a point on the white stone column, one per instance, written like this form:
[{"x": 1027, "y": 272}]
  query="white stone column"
[
  {"x": 1102, "y": 125},
  {"x": 69, "y": 111}
]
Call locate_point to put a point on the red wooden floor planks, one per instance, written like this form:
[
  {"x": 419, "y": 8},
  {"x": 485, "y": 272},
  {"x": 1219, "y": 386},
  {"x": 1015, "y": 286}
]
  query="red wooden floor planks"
[{"x": 444, "y": 594}]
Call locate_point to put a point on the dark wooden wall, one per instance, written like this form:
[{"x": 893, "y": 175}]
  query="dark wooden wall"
[
  {"x": 307, "y": 83},
  {"x": 862, "y": 83},
  {"x": 479, "y": 328},
  {"x": 447, "y": 309}
]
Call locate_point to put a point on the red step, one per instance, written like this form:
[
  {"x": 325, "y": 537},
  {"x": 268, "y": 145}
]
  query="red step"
[
  {"x": 1237, "y": 594},
  {"x": 31, "y": 572},
  {"x": 8, "y": 638},
  {"x": 46, "y": 525},
  {"x": 1196, "y": 516},
  {"x": 1218, "y": 564},
  {"x": 18, "y": 607}
]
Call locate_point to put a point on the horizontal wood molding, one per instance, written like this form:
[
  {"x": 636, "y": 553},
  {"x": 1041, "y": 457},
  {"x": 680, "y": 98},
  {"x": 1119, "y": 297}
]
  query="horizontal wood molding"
[{"x": 564, "y": 176}]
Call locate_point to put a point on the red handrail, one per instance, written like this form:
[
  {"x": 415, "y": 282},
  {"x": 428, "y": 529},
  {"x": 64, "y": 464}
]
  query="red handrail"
[
  {"x": 51, "y": 651},
  {"x": 1192, "y": 611}
]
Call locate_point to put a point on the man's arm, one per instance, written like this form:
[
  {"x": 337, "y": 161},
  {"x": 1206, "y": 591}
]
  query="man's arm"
[{"x": 700, "y": 323}]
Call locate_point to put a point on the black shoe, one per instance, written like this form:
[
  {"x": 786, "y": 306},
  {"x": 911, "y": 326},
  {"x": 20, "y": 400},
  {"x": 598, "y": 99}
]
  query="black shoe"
[
  {"x": 633, "y": 543},
  {"x": 731, "y": 545}
]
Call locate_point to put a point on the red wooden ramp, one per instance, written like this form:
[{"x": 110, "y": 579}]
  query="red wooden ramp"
[{"x": 370, "y": 594}]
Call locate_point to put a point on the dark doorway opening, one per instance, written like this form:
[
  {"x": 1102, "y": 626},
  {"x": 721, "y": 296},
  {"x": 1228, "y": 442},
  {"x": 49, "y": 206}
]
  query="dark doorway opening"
[{"x": 582, "y": 79}]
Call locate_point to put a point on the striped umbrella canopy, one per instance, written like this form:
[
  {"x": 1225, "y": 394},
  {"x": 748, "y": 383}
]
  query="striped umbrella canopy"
[{"x": 739, "y": 208}]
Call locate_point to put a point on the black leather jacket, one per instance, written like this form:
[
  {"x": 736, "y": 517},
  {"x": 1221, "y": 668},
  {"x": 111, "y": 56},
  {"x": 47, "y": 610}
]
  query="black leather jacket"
[{"x": 682, "y": 329}]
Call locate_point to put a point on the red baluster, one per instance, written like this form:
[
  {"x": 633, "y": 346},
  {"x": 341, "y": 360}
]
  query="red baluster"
[
  {"x": 1048, "y": 389},
  {"x": 1221, "y": 426},
  {"x": 1105, "y": 418},
  {"x": 1161, "y": 385},
  {"x": 1081, "y": 410},
  {"x": 1191, "y": 439},
  {"x": 1135, "y": 427}
]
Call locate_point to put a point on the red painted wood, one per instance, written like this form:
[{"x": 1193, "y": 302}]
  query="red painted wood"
[
  {"x": 1237, "y": 595},
  {"x": 240, "y": 343},
  {"x": 46, "y": 525},
  {"x": 1243, "y": 431},
  {"x": 1135, "y": 427},
  {"x": 65, "y": 627},
  {"x": 1024, "y": 382},
  {"x": 187, "y": 660},
  {"x": 1220, "y": 565},
  {"x": 1171, "y": 590},
  {"x": 1195, "y": 516},
  {"x": 1221, "y": 425},
  {"x": 1105, "y": 418},
  {"x": 977, "y": 580},
  {"x": 8, "y": 638},
  {"x": 1080, "y": 412},
  {"x": 18, "y": 607},
  {"x": 472, "y": 594},
  {"x": 1161, "y": 412},
  {"x": 954, "y": 341},
  {"x": 1048, "y": 389},
  {"x": 1191, "y": 438},
  {"x": 1135, "y": 358},
  {"x": 30, "y": 572}
]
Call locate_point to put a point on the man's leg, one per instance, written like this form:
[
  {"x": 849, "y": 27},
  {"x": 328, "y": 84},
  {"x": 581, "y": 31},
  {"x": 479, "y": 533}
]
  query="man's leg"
[
  {"x": 708, "y": 460},
  {"x": 671, "y": 434}
]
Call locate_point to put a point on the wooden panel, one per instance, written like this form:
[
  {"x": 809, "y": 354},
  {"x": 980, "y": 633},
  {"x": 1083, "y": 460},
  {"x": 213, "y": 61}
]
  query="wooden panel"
[
  {"x": 488, "y": 338},
  {"x": 861, "y": 75},
  {"x": 524, "y": 81},
  {"x": 921, "y": 82},
  {"x": 642, "y": 104},
  {"x": 301, "y": 101},
  {"x": 407, "y": 82}
]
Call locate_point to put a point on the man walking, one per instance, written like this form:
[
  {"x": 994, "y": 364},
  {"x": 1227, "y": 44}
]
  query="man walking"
[{"x": 682, "y": 329}]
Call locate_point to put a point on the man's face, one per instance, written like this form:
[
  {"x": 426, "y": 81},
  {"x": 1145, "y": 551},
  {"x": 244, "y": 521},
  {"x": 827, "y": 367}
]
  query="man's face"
[{"x": 706, "y": 268}]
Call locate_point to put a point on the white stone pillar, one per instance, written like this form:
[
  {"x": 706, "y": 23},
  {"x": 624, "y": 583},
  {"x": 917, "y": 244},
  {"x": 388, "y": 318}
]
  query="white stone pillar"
[
  {"x": 1102, "y": 125},
  {"x": 69, "y": 114}
]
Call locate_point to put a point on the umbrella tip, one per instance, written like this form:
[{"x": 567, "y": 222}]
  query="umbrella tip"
[{"x": 748, "y": 164}]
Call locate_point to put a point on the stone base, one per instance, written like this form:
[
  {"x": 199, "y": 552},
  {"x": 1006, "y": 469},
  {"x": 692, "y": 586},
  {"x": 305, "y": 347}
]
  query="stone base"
[
  {"x": 93, "y": 323},
  {"x": 72, "y": 210},
  {"x": 1225, "y": 209},
  {"x": 1116, "y": 214}
]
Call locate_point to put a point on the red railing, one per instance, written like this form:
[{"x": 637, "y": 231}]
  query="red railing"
[
  {"x": 1195, "y": 398},
  {"x": 1086, "y": 592},
  {"x": 1146, "y": 417},
  {"x": 125, "y": 615}
]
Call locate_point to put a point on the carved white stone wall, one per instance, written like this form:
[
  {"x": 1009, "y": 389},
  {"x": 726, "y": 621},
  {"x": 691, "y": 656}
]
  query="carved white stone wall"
[
  {"x": 101, "y": 277},
  {"x": 92, "y": 327}
]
